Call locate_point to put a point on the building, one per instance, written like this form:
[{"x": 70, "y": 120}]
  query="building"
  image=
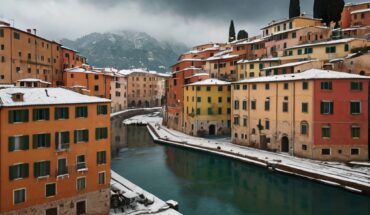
[
  {"x": 55, "y": 152},
  {"x": 24, "y": 54},
  {"x": 118, "y": 93},
  {"x": 293, "y": 67},
  {"x": 222, "y": 65},
  {"x": 253, "y": 68},
  {"x": 90, "y": 81},
  {"x": 315, "y": 114},
  {"x": 325, "y": 51},
  {"x": 145, "y": 88},
  {"x": 32, "y": 82},
  {"x": 356, "y": 63},
  {"x": 207, "y": 108},
  {"x": 355, "y": 14}
]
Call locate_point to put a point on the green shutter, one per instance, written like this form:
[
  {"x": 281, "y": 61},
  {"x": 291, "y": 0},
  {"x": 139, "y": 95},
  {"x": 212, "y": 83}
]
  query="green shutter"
[
  {"x": 47, "y": 114},
  {"x": 25, "y": 170},
  {"x": 327, "y": 49},
  {"x": 65, "y": 137},
  {"x": 56, "y": 113},
  {"x": 47, "y": 140},
  {"x": 25, "y": 115},
  {"x": 11, "y": 116},
  {"x": 97, "y": 134},
  {"x": 66, "y": 113},
  {"x": 25, "y": 142},
  {"x": 86, "y": 135},
  {"x": 35, "y": 115},
  {"x": 11, "y": 144},
  {"x": 12, "y": 170},
  {"x": 47, "y": 164},
  {"x": 75, "y": 136},
  {"x": 86, "y": 112},
  {"x": 36, "y": 169},
  {"x": 321, "y": 107},
  {"x": 56, "y": 140},
  {"x": 332, "y": 108},
  {"x": 34, "y": 141}
]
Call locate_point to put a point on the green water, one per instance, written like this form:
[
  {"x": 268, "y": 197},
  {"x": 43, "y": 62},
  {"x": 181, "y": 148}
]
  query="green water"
[{"x": 208, "y": 184}]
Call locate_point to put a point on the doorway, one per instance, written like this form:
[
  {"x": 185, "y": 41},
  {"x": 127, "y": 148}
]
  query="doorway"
[
  {"x": 285, "y": 144},
  {"x": 212, "y": 130}
]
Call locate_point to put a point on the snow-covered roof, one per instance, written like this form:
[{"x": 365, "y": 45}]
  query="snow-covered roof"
[
  {"x": 33, "y": 80},
  {"x": 306, "y": 75},
  {"x": 361, "y": 11},
  {"x": 252, "y": 41},
  {"x": 6, "y": 86},
  {"x": 355, "y": 28},
  {"x": 211, "y": 81},
  {"x": 274, "y": 22},
  {"x": 259, "y": 60},
  {"x": 331, "y": 42},
  {"x": 354, "y": 4},
  {"x": 74, "y": 50},
  {"x": 45, "y": 96},
  {"x": 199, "y": 74},
  {"x": 78, "y": 70},
  {"x": 126, "y": 72},
  {"x": 222, "y": 57},
  {"x": 289, "y": 64}
]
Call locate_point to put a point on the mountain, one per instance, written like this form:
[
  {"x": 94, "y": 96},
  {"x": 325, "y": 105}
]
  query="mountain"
[{"x": 127, "y": 49}]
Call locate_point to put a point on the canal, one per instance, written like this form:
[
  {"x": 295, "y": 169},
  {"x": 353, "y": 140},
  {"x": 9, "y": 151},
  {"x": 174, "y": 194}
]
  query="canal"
[{"x": 205, "y": 184}]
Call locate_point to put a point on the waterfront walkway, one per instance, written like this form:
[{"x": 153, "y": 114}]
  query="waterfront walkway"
[{"x": 355, "y": 178}]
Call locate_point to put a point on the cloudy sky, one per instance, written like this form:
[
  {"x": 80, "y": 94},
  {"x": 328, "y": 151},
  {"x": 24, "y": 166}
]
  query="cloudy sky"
[{"x": 189, "y": 21}]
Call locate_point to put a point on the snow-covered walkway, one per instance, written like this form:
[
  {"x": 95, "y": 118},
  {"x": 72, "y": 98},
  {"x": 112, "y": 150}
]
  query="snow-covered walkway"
[{"x": 355, "y": 178}]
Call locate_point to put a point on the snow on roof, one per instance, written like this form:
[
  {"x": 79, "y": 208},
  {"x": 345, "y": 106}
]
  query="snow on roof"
[
  {"x": 346, "y": 40},
  {"x": 199, "y": 74},
  {"x": 211, "y": 81},
  {"x": 361, "y": 11},
  {"x": 355, "y": 28},
  {"x": 306, "y": 75},
  {"x": 259, "y": 60},
  {"x": 289, "y": 64},
  {"x": 6, "y": 86},
  {"x": 45, "y": 96},
  {"x": 78, "y": 69},
  {"x": 222, "y": 57},
  {"x": 354, "y": 4},
  {"x": 33, "y": 80},
  {"x": 252, "y": 41},
  {"x": 126, "y": 72},
  {"x": 274, "y": 22},
  {"x": 65, "y": 47}
]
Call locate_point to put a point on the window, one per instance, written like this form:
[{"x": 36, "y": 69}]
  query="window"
[
  {"x": 101, "y": 157},
  {"x": 304, "y": 147},
  {"x": 267, "y": 104},
  {"x": 17, "y": 35},
  {"x": 236, "y": 120},
  {"x": 208, "y": 88},
  {"x": 102, "y": 110},
  {"x": 101, "y": 133},
  {"x": 245, "y": 87},
  {"x": 18, "y": 116},
  {"x": 253, "y": 105},
  {"x": 308, "y": 50},
  {"x": 40, "y": 141},
  {"x": 96, "y": 77},
  {"x": 62, "y": 140},
  {"x": 96, "y": 88},
  {"x": 228, "y": 111},
  {"x": 346, "y": 47},
  {"x": 304, "y": 128},
  {"x": 81, "y": 136},
  {"x": 198, "y": 111},
  {"x": 236, "y": 104},
  {"x": 244, "y": 105},
  {"x": 356, "y": 85},
  {"x": 101, "y": 178},
  {"x": 41, "y": 169},
  {"x": 267, "y": 125},
  {"x": 355, "y": 131},
  {"x": 199, "y": 99},
  {"x": 210, "y": 112},
  {"x": 304, "y": 107},
  {"x": 286, "y": 86},
  {"x": 51, "y": 211},
  {"x": 355, "y": 107},
  {"x": 326, "y": 85},
  {"x": 325, "y": 132},
  {"x": 17, "y": 143},
  {"x": 80, "y": 162},
  {"x": 1, "y": 32},
  {"x": 355, "y": 151},
  {"x": 285, "y": 106},
  {"x": 18, "y": 171},
  {"x": 330, "y": 49},
  {"x": 40, "y": 114},
  {"x": 81, "y": 112},
  {"x": 209, "y": 99},
  {"x": 62, "y": 167},
  {"x": 61, "y": 113},
  {"x": 219, "y": 99},
  {"x": 81, "y": 208},
  {"x": 251, "y": 66},
  {"x": 327, "y": 107},
  {"x": 219, "y": 111},
  {"x": 305, "y": 85},
  {"x": 267, "y": 86},
  {"x": 81, "y": 183},
  {"x": 325, "y": 151},
  {"x": 299, "y": 51},
  {"x": 245, "y": 122},
  {"x": 50, "y": 189},
  {"x": 19, "y": 196},
  {"x": 254, "y": 86},
  {"x": 219, "y": 88},
  {"x": 198, "y": 88}
]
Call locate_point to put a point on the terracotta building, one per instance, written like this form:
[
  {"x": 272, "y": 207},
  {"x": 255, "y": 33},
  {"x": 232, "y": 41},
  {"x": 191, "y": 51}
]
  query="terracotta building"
[
  {"x": 55, "y": 152},
  {"x": 293, "y": 67},
  {"x": 315, "y": 114},
  {"x": 24, "y": 54},
  {"x": 355, "y": 14}
]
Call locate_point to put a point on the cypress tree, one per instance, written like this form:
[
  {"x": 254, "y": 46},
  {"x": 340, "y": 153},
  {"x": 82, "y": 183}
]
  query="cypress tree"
[
  {"x": 232, "y": 32},
  {"x": 328, "y": 10},
  {"x": 335, "y": 11},
  {"x": 294, "y": 8},
  {"x": 242, "y": 34}
]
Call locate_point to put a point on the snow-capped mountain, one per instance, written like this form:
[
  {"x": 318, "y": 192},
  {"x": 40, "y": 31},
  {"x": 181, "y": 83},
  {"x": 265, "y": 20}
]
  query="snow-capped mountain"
[{"x": 127, "y": 49}]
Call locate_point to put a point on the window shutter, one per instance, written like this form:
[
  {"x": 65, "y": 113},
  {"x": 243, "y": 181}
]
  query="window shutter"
[
  {"x": 35, "y": 115},
  {"x": 11, "y": 172},
  {"x": 105, "y": 132},
  {"x": 75, "y": 136},
  {"x": 56, "y": 140},
  {"x": 47, "y": 166},
  {"x": 66, "y": 137},
  {"x": 66, "y": 113},
  {"x": 322, "y": 107},
  {"x": 25, "y": 115},
  {"x": 86, "y": 135},
  {"x": 36, "y": 169},
  {"x": 47, "y": 140},
  {"x": 34, "y": 141},
  {"x": 25, "y": 170},
  {"x": 25, "y": 142},
  {"x": 47, "y": 114},
  {"x": 332, "y": 108},
  {"x": 11, "y": 144},
  {"x": 327, "y": 49},
  {"x": 11, "y": 116},
  {"x": 77, "y": 112},
  {"x": 86, "y": 112},
  {"x": 56, "y": 113},
  {"x": 104, "y": 157},
  {"x": 97, "y": 134}
]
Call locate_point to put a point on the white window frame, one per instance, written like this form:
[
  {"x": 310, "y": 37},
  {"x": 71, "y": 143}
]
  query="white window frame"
[
  {"x": 25, "y": 195},
  {"x": 105, "y": 177},
  {"x": 84, "y": 177},
  {"x": 56, "y": 190}
]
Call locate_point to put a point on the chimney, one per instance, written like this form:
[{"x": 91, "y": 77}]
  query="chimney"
[
  {"x": 34, "y": 31},
  {"x": 17, "y": 97},
  {"x": 29, "y": 30}
]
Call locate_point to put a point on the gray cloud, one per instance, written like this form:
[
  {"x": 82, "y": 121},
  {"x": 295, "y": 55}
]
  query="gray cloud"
[{"x": 190, "y": 21}]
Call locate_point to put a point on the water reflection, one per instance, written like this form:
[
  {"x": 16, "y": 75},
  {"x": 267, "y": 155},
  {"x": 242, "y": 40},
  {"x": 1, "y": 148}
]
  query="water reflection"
[{"x": 209, "y": 184}]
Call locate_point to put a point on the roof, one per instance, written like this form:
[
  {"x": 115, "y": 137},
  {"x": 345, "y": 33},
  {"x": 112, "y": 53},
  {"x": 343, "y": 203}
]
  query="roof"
[
  {"x": 252, "y": 41},
  {"x": 33, "y": 80},
  {"x": 361, "y": 11},
  {"x": 259, "y": 60},
  {"x": 222, "y": 57},
  {"x": 285, "y": 20},
  {"x": 45, "y": 96},
  {"x": 289, "y": 64},
  {"x": 306, "y": 75},
  {"x": 354, "y": 4},
  {"x": 208, "y": 82},
  {"x": 346, "y": 40},
  {"x": 199, "y": 74},
  {"x": 143, "y": 71}
]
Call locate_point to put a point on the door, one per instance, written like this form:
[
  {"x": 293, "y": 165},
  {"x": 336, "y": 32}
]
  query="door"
[
  {"x": 263, "y": 142},
  {"x": 212, "y": 130},
  {"x": 285, "y": 144},
  {"x": 81, "y": 208}
]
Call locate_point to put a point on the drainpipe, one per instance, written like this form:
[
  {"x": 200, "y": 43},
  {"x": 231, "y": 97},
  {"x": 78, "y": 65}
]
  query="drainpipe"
[
  {"x": 11, "y": 56},
  {"x": 293, "y": 112},
  {"x": 249, "y": 114},
  {"x": 276, "y": 111}
]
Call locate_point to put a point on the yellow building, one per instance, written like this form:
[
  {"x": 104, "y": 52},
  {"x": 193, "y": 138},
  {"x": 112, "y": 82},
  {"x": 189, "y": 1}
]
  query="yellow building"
[
  {"x": 252, "y": 68},
  {"x": 287, "y": 24},
  {"x": 207, "y": 108},
  {"x": 325, "y": 50}
]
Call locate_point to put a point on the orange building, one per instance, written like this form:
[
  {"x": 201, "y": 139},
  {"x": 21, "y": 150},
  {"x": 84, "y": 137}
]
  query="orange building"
[
  {"x": 55, "y": 152},
  {"x": 353, "y": 13},
  {"x": 24, "y": 54},
  {"x": 94, "y": 82}
]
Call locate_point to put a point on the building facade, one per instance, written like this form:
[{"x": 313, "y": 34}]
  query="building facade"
[
  {"x": 55, "y": 152},
  {"x": 315, "y": 114}
]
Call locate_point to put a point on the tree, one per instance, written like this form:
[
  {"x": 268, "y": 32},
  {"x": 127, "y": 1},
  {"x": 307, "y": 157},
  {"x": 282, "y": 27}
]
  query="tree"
[
  {"x": 242, "y": 34},
  {"x": 232, "y": 32},
  {"x": 335, "y": 11},
  {"x": 294, "y": 8},
  {"x": 328, "y": 10}
]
